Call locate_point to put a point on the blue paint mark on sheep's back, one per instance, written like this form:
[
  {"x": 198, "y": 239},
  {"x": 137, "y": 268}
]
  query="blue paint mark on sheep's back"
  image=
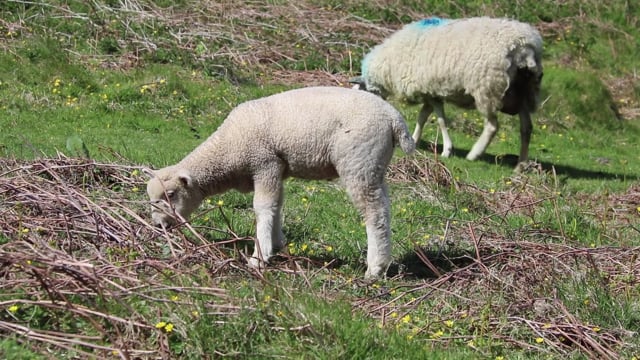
[
  {"x": 420, "y": 24},
  {"x": 429, "y": 22}
]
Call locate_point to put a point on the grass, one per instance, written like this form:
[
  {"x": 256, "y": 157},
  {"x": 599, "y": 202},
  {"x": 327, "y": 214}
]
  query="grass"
[{"x": 488, "y": 263}]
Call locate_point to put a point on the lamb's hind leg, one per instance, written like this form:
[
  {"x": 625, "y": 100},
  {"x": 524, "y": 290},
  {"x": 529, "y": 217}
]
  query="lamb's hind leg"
[
  {"x": 490, "y": 129},
  {"x": 373, "y": 202},
  {"x": 267, "y": 204}
]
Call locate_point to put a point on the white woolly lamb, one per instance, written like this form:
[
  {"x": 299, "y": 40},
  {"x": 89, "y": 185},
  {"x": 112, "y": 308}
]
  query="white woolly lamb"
[
  {"x": 310, "y": 133},
  {"x": 484, "y": 63}
]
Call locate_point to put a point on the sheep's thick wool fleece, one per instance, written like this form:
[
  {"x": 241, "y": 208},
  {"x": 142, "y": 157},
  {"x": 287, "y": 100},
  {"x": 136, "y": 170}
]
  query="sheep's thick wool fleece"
[{"x": 441, "y": 57}]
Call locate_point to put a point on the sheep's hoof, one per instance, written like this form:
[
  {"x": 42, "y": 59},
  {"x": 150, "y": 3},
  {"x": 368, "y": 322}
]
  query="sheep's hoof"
[
  {"x": 472, "y": 156},
  {"x": 528, "y": 166},
  {"x": 446, "y": 153}
]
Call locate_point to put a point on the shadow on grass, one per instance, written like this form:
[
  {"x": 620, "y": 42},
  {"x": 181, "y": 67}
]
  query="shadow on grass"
[
  {"x": 409, "y": 266},
  {"x": 412, "y": 266},
  {"x": 511, "y": 160}
]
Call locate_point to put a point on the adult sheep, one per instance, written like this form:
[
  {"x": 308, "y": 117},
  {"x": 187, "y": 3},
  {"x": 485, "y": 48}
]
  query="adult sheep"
[
  {"x": 484, "y": 63},
  {"x": 311, "y": 133}
]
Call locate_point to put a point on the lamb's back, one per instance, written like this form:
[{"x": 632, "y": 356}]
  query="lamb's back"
[{"x": 309, "y": 128}]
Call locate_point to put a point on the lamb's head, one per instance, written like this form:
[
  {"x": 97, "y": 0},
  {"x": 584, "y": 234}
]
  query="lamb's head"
[{"x": 173, "y": 195}]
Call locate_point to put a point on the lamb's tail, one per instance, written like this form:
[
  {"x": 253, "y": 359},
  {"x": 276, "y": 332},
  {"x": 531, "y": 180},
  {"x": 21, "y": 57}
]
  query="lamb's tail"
[{"x": 401, "y": 135}]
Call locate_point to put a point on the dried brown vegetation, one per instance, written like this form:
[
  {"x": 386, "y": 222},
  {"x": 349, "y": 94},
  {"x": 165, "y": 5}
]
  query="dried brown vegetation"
[{"x": 76, "y": 242}]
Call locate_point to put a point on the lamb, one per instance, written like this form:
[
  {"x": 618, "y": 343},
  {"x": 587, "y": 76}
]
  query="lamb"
[
  {"x": 311, "y": 133},
  {"x": 484, "y": 63}
]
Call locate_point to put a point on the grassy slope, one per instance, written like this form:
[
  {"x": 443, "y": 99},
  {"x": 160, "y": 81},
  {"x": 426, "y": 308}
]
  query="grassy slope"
[{"x": 131, "y": 77}]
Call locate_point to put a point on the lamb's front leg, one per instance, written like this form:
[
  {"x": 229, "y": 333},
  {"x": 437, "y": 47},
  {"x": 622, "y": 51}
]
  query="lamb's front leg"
[
  {"x": 490, "y": 129},
  {"x": 267, "y": 204}
]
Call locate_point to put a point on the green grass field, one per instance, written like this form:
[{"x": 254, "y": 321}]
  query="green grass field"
[{"x": 488, "y": 264}]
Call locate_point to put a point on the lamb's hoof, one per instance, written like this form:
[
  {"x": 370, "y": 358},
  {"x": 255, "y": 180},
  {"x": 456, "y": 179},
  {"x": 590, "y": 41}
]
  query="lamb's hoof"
[
  {"x": 376, "y": 273},
  {"x": 446, "y": 153},
  {"x": 257, "y": 264}
]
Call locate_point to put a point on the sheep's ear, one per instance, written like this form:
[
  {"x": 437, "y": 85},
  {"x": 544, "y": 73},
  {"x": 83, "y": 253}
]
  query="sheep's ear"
[
  {"x": 150, "y": 173},
  {"x": 358, "y": 82},
  {"x": 185, "y": 178}
]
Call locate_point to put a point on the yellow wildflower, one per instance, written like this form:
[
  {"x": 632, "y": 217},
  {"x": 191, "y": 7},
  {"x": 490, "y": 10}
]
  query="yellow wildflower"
[
  {"x": 13, "y": 308},
  {"x": 406, "y": 319},
  {"x": 449, "y": 323},
  {"x": 220, "y": 203},
  {"x": 539, "y": 340},
  {"x": 168, "y": 328},
  {"x": 161, "y": 324}
]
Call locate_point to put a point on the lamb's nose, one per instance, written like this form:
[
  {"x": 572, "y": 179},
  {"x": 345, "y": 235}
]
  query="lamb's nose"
[{"x": 161, "y": 223}]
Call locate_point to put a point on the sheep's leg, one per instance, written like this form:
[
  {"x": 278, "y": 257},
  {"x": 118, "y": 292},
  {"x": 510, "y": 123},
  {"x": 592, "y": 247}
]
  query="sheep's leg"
[
  {"x": 373, "y": 203},
  {"x": 422, "y": 119},
  {"x": 447, "y": 145},
  {"x": 490, "y": 129},
  {"x": 525, "y": 136},
  {"x": 267, "y": 204}
]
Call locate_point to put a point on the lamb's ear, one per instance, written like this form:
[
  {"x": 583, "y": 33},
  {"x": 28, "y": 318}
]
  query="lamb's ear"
[
  {"x": 150, "y": 173},
  {"x": 358, "y": 82},
  {"x": 185, "y": 178}
]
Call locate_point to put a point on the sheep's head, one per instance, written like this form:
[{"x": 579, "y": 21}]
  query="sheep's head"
[
  {"x": 173, "y": 195},
  {"x": 360, "y": 83}
]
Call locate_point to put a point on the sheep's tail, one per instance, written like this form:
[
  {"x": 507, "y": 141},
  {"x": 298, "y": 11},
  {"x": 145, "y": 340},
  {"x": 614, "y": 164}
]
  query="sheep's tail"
[{"x": 401, "y": 135}]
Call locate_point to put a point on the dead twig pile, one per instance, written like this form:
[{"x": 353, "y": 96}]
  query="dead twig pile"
[
  {"x": 523, "y": 276},
  {"x": 73, "y": 244}
]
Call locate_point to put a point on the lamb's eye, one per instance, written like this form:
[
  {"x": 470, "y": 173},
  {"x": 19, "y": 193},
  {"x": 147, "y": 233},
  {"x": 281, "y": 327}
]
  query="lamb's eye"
[{"x": 171, "y": 194}]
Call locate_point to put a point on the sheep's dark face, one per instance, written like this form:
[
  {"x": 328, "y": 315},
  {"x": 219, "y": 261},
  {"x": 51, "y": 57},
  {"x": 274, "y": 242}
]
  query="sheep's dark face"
[
  {"x": 359, "y": 83},
  {"x": 173, "y": 196}
]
